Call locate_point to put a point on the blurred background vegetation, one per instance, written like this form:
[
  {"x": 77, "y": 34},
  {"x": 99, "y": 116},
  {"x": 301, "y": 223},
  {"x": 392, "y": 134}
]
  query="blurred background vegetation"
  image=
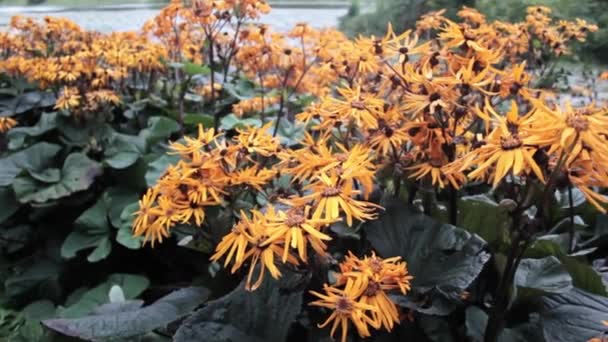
[
  {"x": 403, "y": 14},
  {"x": 372, "y": 16}
]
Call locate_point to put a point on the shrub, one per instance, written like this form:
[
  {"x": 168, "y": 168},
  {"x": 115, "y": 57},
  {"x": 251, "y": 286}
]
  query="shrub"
[{"x": 427, "y": 184}]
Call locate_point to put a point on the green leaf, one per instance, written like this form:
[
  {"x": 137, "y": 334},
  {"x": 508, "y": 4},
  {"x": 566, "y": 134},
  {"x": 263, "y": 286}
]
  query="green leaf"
[
  {"x": 583, "y": 276},
  {"x": 243, "y": 89},
  {"x": 8, "y": 203},
  {"x": 238, "y": 315},
  {"x": 290, "y": 133},
  {"x": 125, "y": 237},
  {"x": 441, "y": 257},
  {"x": 192, "y": 69},
  {"x": 122, "y": 325},
  {"x": 125, "y": 233},
  {"x": 103, "y": 249},
  {"x": 77, "y": 174},
  {"x": 117, "y": 199},
  {"x": 123, "y": 150},
  {"x": 39, "y": 310},
  {"x": 31, "y": 277},
  {"x": 132, "y": 286},
  {"x": 477, "y": 320},
  {"x": 91, "y": 133},
  {"x": 13, "y": 239},
  {"x": 28, "y": 101},
  {"x": 17, "y": 135},
  {"x": 91, "y": 230},
  {"x": 34, "y": 158},
  {"x": 563, "y": 226},
  {"x": 192, "y": 119},
  {"x": 481, "y": 215},
  {"x": 118, "y": 307},
  {"x": 231, "y": 121},
  {"x": 158, "y": 167},
  {"x": 563, "y": 200},
  {"x": 160, "y": 128},
  {"x": 547, "y": 275},
  {"x": 573, "y": 316},
  {"x": 50, "y": 175}
]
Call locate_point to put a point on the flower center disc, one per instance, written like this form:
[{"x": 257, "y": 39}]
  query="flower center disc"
[
  {"x": 344, "y": 306},
  {"x": 331, "y": 191},
  {"x": 510, "y": 143},
  {"x": 360, "y": 105},
  {"x": 578, "y": 122}
]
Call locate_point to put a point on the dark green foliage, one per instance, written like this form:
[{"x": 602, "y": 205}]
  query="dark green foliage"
[
  {"x": 263, "y": 315},
  {"x": 404, "y": 13}
]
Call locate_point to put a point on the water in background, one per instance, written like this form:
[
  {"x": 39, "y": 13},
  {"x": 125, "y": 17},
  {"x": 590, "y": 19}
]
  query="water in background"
[{"x": 114, "y": 15}]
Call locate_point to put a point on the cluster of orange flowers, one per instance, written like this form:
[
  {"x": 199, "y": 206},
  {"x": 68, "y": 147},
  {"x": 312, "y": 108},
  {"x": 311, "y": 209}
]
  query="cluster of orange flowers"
[
  {"x": 183, "y": 29},
  {"x": 220, "y": 34},
  {"x": 214, "y": 170},
  {"x": 360, "y": 294},
  {"x": 89, "y": 71},
  {"x": 297, "y": 60},
  {"x": 210, "y": 166},
  {"x": 458, "y": 106}
]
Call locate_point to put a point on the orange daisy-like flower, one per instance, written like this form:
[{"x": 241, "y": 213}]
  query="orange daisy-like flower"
[
  {"x": 346, "y": 308},
  {"x": 69, "y": 99},
  {"x": 357, "y": 107},
  {"x": 296, "y": 230},
  {"x": 258, "y": 140},
  {"x": 6, "y": 124},
  {"x": 246, "y": 243},
  {"x": 332, "y": 196},
  {"x": 508, "y": 149},
  {"x": 379, "y": 276}
]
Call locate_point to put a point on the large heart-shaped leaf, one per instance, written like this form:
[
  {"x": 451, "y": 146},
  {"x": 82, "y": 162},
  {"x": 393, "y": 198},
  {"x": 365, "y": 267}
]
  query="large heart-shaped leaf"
[
  {"x": 195, "y": 119},
  {"x": 547, "y": 275},
  {"x": 34, "y": 159},
  {"x": 159, "y": 128},
  {"x": 117, "y": 199},
  {"x": 442, "y": 258},
  {"x": 91, "y": 133},
  {"x": 231, "y": 121},
  {"x": 583, "y": 275},
  {"x": 481, "y": 215},
  {"x": 123, "y": 150},
  {"x": 77, "y": 174},
  {"x": 573, "y": 316},
  {"x": 17, "y": 135},
  {"x": 125, "y": 323},
  {"x": 263, "y": 315},
  {"x": 124, "y": 236},
  {"x": 28, "y": 101},
  {"x": 91, "y": 230},
  {"x": 85, "y": 301},
  {"x": 477, "y": 320},
  {"x": 158, "y": 167},
  {"x": 33, "y": 275},
  {"x": 192, "y": 69}
]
